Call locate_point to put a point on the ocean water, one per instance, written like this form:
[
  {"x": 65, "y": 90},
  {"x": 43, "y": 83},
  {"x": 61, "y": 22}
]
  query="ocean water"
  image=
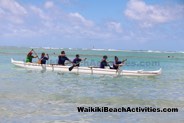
[{"x": 32, "y": 96}]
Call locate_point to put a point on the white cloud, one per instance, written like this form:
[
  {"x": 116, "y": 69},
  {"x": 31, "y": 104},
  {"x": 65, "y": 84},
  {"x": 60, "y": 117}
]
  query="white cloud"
[
  {"x": 114, "y": 26},
  {"x": 49, "y": 20},
  {"x": 13, "y": 7},
  {"x": 76, "y": 18},
  {"x": 39, "y": 12},
  {"x": 12, "y": 11},
  {"x": 49, "y": 4},
  {"x": 55, "y": 22},
  {"x": 148, "y": 15}
]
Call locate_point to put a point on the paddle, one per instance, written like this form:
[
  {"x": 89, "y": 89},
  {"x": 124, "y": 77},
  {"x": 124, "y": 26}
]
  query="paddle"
[
  {"x": 124, "y": 60},
  {"x": 122, "y": 63},
  {"x": 39, "y": 61},
  {"x": 35, "y": 53},
  {"x": 109, "y": 65},
  {"x": 70, "y": 68}
]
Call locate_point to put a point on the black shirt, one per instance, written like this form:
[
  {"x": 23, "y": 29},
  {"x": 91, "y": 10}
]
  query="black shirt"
[
  {"x": 103, "y": 63},
  {"x": 43, "y": 60},
  {"x": 76, "y": 61},
  {"x": 116, "y": 63},
  {"x": 62, "y": 59}
]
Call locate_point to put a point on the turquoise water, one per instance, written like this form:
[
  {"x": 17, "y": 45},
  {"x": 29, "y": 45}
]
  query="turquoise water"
[{"x": 29, "y": 96}]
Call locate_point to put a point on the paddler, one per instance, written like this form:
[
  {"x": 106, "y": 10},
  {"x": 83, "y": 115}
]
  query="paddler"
[
  {"x": 77, "y": 60},
  {"x": 62, "y": 58},
  {"x": 104, "y": 62},
  {"x": 44, "y": 58},
  {"x": 30, "y": 56},
  {"x": 118, "y": 63}
]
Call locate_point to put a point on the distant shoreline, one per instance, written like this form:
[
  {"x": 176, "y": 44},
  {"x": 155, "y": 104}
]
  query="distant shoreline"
[{"x": 94, "y": 49}]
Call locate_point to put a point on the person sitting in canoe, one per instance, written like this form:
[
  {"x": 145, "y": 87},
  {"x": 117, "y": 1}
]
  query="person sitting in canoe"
[
  {"x": 30, "y": 56},
  {"x": 77, "y": 60},
  {"x": 104, "y": 62},
  {"x": 118, "y": 63},
  {"x": 62, "y": 58},
  {"x": 44, "y": 58}
]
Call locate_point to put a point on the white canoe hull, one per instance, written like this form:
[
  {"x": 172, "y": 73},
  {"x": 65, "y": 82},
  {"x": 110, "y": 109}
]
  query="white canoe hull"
[{"x": 87, "y": 70}]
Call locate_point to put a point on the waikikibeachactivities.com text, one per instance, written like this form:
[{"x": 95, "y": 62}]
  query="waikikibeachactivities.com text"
[{"x": 125, "y": 109}]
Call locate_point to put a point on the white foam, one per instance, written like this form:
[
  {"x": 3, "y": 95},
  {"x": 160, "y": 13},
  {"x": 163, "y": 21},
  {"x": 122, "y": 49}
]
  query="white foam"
[{"x": 99, "y": 49}]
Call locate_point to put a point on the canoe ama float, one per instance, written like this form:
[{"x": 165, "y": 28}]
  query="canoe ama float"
[{"x": 87, "y": 70}]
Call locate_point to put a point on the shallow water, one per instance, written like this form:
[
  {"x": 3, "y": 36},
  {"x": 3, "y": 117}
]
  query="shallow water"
[{"x": 30, "y": 96}]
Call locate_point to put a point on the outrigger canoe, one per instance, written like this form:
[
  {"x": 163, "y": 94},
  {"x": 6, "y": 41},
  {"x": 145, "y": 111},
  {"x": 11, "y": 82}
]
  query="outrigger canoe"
[{"x": 87, "y": 70}]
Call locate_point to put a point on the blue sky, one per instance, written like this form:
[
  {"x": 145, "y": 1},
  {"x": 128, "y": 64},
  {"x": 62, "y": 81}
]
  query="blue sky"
[{"x": 109, "y": 24}]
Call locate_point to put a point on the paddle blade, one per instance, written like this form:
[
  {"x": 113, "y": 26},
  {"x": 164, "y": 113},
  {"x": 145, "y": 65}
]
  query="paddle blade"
[
  {"x": 39, "y": 61},
  {"x": 70, "y": 68}
]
